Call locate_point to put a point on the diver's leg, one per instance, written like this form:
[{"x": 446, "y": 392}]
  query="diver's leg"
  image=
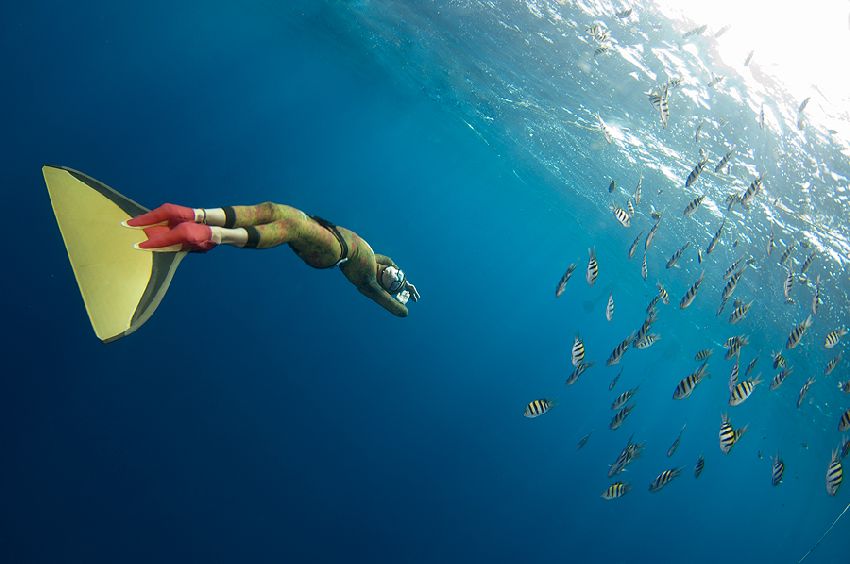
[
  {"x": 229, "y": 216},
  {"x": 198, "y": 237}
]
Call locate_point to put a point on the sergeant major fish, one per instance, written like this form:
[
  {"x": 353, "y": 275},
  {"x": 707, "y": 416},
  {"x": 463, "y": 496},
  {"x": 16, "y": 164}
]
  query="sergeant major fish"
[
  {"x": 609, "y": 309},
  {"x": 614, "y": 380},
  {"x": 716, "y": 238},
  {"x": 742, "y": 391},
  {"x": 578, "y": 371},
  {"x": 662, "y": 293},
  {"x": 752, "y": 191},
  {"x": 788, "y": 286},
  {"x": 689, "y": 296},
  {"x": 703, "y": 354},
  {"x": 663, "y": 479},
  {"x": 816, "y": 297},
  {"x": 677, "y": 255},
  {"x": 777, "y": 471},
  {"x": 619, "y": 417},
  {"x": 724, "y": 162},
  {"x": 622, "y": 216},
  {"x": 833, "y": 337},
  {"x": 797, "y": 333},
  {"x": 691, "y": 208},
  {"x": 623, "y": 398},
  {"x": 729, "y": 436},
  {"x": 697, "y": 170},
  {"x": 780, "y": 378},
  {"x": 619, "y": 350},
  {"x": 834, "y": 474},
  {"x": 651, "y": 234},
  {"x": 577, "y": 351},
  {"x": 751, "y": 365},
  {"x": 700, "y": 465},
  {"x": 538, "y": 407},
  {"x": 687, "y": 385},
  {"x": 592, "y": 267},
  {"x": 739, "y": 313},
  {"x": 830, "y": 366},
  {"x": 615, "y": 490},
  {"x": 644, "y": 272}
]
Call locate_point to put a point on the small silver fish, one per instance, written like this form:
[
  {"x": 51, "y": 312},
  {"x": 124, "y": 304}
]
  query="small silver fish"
[
  {"x": 637, "y": 190},
  {"x": 583, "y": 441},
  {"x": 609, "y": 309},
  {"x": 803, "y": 391},
  {"x": 564, "y": 279},
  {"x": 675, "y": 445}
]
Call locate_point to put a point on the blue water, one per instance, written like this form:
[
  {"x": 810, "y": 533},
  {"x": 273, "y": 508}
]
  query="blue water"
[{"x": 269, "y": 413}]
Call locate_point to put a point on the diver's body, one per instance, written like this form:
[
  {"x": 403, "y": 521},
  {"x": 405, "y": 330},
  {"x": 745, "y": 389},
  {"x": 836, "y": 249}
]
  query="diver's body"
[{"x": 316, "y": 241}]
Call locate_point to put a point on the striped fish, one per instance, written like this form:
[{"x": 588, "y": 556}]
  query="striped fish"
[
  {"x": 538, "y": 407},
  {"x": 626, "y": 456},
  {"x": 845, "y": 447},
  {"x": 761, "y": 117},
  {"x": 624, "y": 398},
  {"x": 742, "y": 391},
  {"x": 578, "y": 371},
  {"x": 633, "y": 248},
  {"x": 630, "y": 207},
  {"x": 675, "y": 446},
  {"x": 577, "y": 351},
  {"x": 779, "y": 378},
  {"x": 729, "y": 289},
  {"x": 733, "y": 268},
  {"x": 644, "y": 272},
  {"x": 662, "y": 293},
  {"x": 777, "y": 471},
  {"x": 677, "y": 255},
  {"x": 651, "y": 307},
  {"x": 637, "y": 190},
  {"x": 592, "y": 267},
  {"x": 808, "y": 262},
  {"x": 647, "y": 341},
  {"x": 619, "y": 417},
  {"x": 844, "y": 386},
  {"x": 803, "y": 391},
  {"x": 651, "y": 234},
  {"x": 787, "y": 287},
  {"x": 733, "y": 375},
  {"x": 724, "y": 162},
  {"x": 739, "y": 313},
  {"x": 797, "y": 333},
  {"x": 698, "y": 130},
  {"x": 689, "y": 296},
  {"x": 728, "y": 435},
  {"x": 618, "y": 351},
  {"x": 694, "y": 175},
  {"x": 803, "y": 105},
  {"x": 664, "y": 478},
  {"x": 736, "y": 346},
  {"x": 778, "y": 360},
  {"x": 691, "y": 208},
  {"x": 833, "y": 337},
  {"x": 564, "y": 279},
  {"x": 615, "y": 490},
  {"x": 687, "y": 385},
  {"x": 786, "y": 254},
  {"x": 622, "y": 216},
  {"x": 830, "y": 366},
  {"x": 700, "y": 465},
  {"x": 816, "y": 297},
  {"x": 834, "y": 474},
  {"x": 844, "y": 421},
  {"x": 752, "y": 191},
  {"x": 716, "y": 238},
  {"x": 609, "y": 309},
  {"x": 703, "y": 354}
]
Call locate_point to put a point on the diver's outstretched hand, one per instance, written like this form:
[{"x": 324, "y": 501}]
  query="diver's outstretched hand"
[
  {"x": 166, "y": 214},
  {"x": 414, "y": 293}
]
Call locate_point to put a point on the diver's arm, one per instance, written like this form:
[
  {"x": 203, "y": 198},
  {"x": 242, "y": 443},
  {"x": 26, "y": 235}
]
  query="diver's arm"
[
  {"x": 374, "y": 291},
  {"x": 384, "y": 260}
]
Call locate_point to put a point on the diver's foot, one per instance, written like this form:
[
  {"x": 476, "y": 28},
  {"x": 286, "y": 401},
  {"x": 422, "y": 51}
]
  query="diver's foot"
[
  {"x": 184, "y": 237},
  {"x": 166, "y": 214}
]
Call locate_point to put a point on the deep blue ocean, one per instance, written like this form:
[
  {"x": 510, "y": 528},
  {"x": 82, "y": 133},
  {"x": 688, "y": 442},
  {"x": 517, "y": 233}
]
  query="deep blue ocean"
[{"x": 269, "y": 413}]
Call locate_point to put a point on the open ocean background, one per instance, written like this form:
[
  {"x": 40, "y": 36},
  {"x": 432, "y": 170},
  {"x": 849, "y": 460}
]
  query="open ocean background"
[{"x": 269, "y": 413}]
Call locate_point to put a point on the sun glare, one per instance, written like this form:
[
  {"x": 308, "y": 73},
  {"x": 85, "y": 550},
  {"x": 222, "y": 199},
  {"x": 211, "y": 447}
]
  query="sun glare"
[{"x": 803, "y": 45}]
